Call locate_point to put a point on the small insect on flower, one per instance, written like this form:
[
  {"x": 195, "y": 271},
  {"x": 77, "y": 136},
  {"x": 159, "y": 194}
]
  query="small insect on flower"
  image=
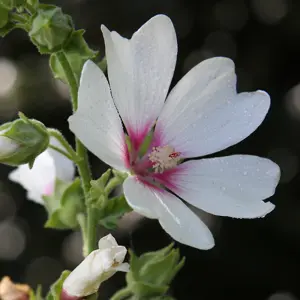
[
  {"x": 40, "y": 179},
  {"x": 202, "y": 114}
]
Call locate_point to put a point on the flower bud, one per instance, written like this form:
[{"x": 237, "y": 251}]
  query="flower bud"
[
  {"x": 97, "y": 267},
  {"x": 12, "y": 291},
  {"x": 51, "y": 28},
  {"x": 21, "y": 141}
]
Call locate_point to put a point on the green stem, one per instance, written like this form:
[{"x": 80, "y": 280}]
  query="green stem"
[
  {"x": 82, "y": 164},
  {"x": 61, "y": 151},
  {"x": 58, "y": 135},
  {"x": 121, "y": 294},
  {"x": 70, "y": 77}
]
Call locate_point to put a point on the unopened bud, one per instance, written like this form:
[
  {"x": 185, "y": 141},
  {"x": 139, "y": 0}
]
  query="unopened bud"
[
  {"x": 51, "y": 28},
  {"x": 21, "y": 141}
]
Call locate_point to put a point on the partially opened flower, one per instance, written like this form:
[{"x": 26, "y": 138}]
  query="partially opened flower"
[
  {"x": 203, "y": 114},
  {"x": 97, "y": 267},
  {"x": 40, "y": 180}
]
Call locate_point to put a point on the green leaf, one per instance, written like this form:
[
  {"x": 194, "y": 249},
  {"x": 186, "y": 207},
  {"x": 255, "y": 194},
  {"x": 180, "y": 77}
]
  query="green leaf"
[
  {"x": 77, "y": 52},
  {"x": 56, "y": 288},
  {"x": 64, "y": 205},
  {"x": 114, "y": 209}
]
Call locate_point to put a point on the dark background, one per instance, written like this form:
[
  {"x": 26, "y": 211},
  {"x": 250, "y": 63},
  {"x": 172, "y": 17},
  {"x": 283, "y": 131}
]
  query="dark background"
[{"x": 252, "y": 259}]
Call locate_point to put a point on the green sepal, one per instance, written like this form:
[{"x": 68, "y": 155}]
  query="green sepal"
[
  {"x": 36, "y": 295},
  {"x": 56, "y": 287},
  {"x": 151, "y": 274},
  {"x": 77, "y": 53},
  {"x": 146, "y": 143},
  {"x": 64, "y": 205},
  {"x": 114, "y": 209},
  {"x": 31, "y": 138},
  {"x": 51, "y": 29}
]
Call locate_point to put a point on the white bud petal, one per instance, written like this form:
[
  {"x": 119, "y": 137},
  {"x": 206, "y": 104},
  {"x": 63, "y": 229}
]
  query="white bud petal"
[
  {"x": 7, "y": 146},
  {"x": 97, "y": 267}
]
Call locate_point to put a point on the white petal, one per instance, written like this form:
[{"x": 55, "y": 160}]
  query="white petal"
[
  {"x": 7, "y": 146},
  {"x": 96, "y": 122},
  {"x": 173, "y": 215},
  {"x": 140, "y": 71},
  {"x": 87, "y": 276},
  {"x": 203, "y": 113},
  {"x": 231, "y": 186},
  {"x": 123, "y": 267},
  {"x": 64, "y": 167},
  {"x": 36, "y": 180},
  {"x": 97, "y": 267},
  {"x": 107, "y": 241}
]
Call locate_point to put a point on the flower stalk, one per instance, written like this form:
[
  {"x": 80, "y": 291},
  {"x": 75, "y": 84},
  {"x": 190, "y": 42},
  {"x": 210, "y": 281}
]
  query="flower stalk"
[{"x": 82, "y": 163}]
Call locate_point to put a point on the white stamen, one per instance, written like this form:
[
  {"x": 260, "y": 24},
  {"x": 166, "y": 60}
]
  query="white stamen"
[{"x": 164, "y": 158}]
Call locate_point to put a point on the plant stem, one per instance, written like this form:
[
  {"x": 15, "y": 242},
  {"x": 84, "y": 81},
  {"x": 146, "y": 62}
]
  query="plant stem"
[
  {"x": 58, "y": 135},
  {"x": 82, "y": 163},
  {"x": 61, "y": 151},
  {"x": 70, "y": 77},
  {"x": 121, "y": 294}
]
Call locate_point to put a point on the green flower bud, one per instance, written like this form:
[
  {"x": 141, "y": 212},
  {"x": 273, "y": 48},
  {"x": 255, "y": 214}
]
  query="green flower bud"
[
  {"x": 51, "y": 28},
  {"x": 151, "y": 274},
  {"x": 22, "y": 140}
]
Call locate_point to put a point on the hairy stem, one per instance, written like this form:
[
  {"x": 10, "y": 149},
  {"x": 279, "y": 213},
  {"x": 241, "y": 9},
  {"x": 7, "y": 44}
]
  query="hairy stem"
[{"x": 82, "y": 163}]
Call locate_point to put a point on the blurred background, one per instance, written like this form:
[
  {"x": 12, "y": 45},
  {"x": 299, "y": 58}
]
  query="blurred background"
[{"x": 252, "y": 259}]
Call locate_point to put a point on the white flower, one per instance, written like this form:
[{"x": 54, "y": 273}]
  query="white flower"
[
  {"x": 48, "y": 166},
  {"x": 203, "y": 114},
  {"x": 97, "y": 267}
]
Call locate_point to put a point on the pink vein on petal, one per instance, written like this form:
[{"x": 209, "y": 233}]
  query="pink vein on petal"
[{"x": 169, "y": 177}]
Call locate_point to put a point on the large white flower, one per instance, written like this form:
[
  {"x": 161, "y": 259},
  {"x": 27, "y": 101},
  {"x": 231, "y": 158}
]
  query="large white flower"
[
  {"x": 97, "y": 267},
  {"x": 203, "y": 114},
  {"x": 48, "y": 166}
]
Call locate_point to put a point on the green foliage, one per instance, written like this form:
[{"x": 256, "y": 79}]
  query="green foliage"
[
  {"x": 109, "y": 210},
  {"x": 30, "y": 137},
  {"x": 64, "y": 205},
  {"x": 77, "y": 53},
  {"x": 150, "y": 274},
  {"x": 56, "y": 288}
]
